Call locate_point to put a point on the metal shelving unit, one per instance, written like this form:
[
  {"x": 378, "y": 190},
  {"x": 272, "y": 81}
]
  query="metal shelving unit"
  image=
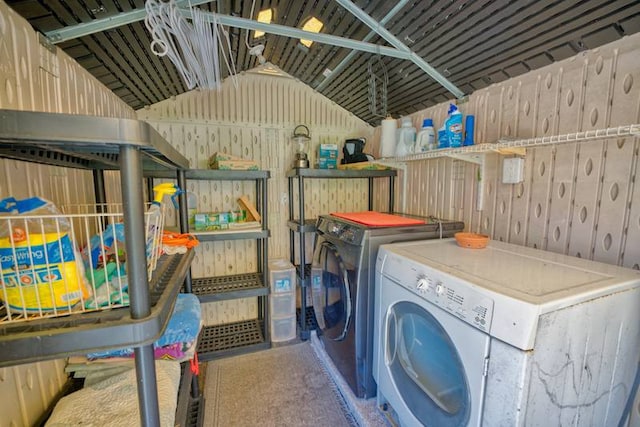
[
  {"x": 189, "y": 409},
  {"x": 308, "y": 225},
  {"x": 100, "y": 143},
  {"x": 238, "y": 337}
]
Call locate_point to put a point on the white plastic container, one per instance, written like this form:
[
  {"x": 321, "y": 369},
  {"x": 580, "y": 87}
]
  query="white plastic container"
[
  {"x": 426, "y": 139},
  {"x": 406, "y": 138}
]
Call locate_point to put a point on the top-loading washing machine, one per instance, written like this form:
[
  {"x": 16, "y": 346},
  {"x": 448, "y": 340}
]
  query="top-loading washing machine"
[
  {"x": 503, "y": 336},
  {"x": 342, "y": 278}
]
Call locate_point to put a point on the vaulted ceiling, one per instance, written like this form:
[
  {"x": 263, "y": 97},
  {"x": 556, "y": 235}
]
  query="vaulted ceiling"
[{"x": 472, "y": 43}]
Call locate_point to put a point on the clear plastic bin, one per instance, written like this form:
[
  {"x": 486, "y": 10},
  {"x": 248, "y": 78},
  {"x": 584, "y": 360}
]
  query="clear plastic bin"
[
  {"x": 282, "y": 276},
  {"x": 282, "y": 305},
  {"x": 283, "y": 329}
]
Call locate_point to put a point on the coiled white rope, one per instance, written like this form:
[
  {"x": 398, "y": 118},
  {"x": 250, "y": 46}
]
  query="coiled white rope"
[{"x": 194, "y": 48}]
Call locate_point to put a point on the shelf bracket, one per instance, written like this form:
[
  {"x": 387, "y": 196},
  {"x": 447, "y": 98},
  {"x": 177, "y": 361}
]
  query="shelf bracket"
[
  {"x": 400, "y": 165},
  {"x": 480, "y": 160},
  {"x": 516, "y": 151}
]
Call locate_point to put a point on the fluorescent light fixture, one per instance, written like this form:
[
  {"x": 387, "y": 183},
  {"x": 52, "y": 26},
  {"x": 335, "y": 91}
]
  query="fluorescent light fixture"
[
  {"x": 314, "y": 25},
  {"x": 264, "y": 16}
]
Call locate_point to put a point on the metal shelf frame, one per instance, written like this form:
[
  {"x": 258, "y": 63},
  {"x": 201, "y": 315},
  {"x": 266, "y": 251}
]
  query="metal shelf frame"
[
  {"x": 232, "y": 339},
  {"x": 99, "y": 143},
  {"x": 304, "y": 225},
  {"x": 57, "y": 337},
  {"x": 222, "y": 288},
  {"x": 244, "y": 285}
]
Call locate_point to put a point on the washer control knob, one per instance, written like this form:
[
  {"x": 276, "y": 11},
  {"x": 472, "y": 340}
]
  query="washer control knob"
[
  {"x": 422, "y": 285},
  {"x": 439, "y": 288}
]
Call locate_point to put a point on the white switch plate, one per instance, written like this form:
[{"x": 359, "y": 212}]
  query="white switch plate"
[{"x": 513, "y": 170}]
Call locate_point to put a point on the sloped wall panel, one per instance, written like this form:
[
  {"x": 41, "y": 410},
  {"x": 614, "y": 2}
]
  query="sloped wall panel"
[
  {"x": 256, "y": 120},
  {"x": 577, "y": 198},
  {"x": 34, "y": 78}
]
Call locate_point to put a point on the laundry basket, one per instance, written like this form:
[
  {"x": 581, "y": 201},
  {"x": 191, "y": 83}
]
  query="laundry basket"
[{"x": 53, "y": 265}]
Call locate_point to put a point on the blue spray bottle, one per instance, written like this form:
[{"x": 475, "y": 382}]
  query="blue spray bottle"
[{"x": 453, "y": 127}]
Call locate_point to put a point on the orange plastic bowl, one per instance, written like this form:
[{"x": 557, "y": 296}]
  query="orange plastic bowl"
[{"x": 472, "y": 240}]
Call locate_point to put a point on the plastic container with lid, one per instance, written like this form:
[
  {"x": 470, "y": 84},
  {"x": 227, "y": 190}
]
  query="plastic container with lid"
[
  {"x": 282, "y": 300},
  {"x": 426, "y": 139},
  {"x": 406, "y": 138},
  {"x": 282, "y": 276}
]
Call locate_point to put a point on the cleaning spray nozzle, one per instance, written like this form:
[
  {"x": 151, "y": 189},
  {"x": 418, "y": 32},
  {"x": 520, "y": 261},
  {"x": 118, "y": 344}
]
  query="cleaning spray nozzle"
[{"x": 161, "y": 190}]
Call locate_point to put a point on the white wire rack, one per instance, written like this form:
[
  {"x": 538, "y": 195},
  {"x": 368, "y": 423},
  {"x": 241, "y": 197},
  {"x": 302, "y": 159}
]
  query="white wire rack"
[
  {"x": 54, "y": 265},
  {"x": 507, "y": 144}
]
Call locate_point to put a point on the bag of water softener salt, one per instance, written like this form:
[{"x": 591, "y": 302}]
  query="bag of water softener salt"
[{"x": 39, "y": 270}]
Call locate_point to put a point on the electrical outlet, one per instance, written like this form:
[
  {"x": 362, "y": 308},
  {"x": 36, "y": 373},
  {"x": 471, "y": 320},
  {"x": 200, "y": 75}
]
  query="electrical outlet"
[{"x": 513, "y": 170}]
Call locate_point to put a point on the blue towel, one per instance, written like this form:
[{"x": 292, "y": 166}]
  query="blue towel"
[{"x": 183, "y": 327}]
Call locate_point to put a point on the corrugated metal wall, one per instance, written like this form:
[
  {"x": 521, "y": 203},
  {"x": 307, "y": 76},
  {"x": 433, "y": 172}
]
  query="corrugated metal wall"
[
  {"x": 256, "y": 121},
  {"x": 581, "y": 199},
  {"x": 35, "y": 78}
]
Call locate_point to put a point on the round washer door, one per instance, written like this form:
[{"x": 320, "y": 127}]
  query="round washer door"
[
  {"x": 330, "y": 291},
  {"x": 426, "y": 367}
]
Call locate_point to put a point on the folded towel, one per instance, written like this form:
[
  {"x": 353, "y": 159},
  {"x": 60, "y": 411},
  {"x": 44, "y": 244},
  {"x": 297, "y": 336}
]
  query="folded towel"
[
  {"x": 183, "y": 327},
  {"x": 114, "y": 400}
]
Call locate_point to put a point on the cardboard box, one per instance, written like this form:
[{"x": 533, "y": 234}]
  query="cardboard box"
[
  {"x": 253, "y": 214},
  {"x": 327, "y": 163},
  {"x": 328, "y": 151},
  {"x": 364, "y": 166},
  {"x": 218, "y": 220},
  {"x": 211, "y": 221},
  {"x": 244, "y": 165},
  {"x": 224, "y": 161}
]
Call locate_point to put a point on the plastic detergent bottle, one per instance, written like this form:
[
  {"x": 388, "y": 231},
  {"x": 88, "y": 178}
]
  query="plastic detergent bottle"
[
  {"x": 154, "y": 214},
  {"x": 443, "y": 141},
  {"x": 406, "y": 138},
  {"x": 469, "y": 124},
  {"x": 426, "y": 139},
  {"x": 453, "y": 126}
]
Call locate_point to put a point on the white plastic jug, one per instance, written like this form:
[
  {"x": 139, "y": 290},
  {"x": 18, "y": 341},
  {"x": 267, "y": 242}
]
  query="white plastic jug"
[
  {"x": 406, "y": 138},
  {"x": 426, "y": 139}
]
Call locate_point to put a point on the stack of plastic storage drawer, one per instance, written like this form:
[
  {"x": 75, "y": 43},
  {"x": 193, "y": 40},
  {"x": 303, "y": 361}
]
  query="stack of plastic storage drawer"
[{"x": 282, "y": 300}]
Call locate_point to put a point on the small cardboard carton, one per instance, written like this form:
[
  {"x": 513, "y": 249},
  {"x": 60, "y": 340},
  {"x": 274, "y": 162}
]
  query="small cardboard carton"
[
  {"x": 328, "y": 151},
  {"x": 225, "y": 161}
]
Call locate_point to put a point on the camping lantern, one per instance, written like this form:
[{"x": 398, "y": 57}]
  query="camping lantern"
[{"x": 301, "y": 140}]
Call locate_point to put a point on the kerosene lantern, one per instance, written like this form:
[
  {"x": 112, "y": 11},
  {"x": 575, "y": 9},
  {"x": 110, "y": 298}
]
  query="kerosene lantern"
[{"x": 300, "y": 141}]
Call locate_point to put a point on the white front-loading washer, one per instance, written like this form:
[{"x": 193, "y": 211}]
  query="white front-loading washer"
[{"x": 503, "y": 336}]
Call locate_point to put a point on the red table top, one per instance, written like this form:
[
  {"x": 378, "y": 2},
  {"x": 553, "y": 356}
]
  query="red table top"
[{"x": 377, "y": 218}]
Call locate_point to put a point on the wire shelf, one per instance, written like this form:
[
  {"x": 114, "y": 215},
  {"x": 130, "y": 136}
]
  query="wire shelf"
[
  {"x": 73, "y": 262},
  {"x": 506, "y": 144}
]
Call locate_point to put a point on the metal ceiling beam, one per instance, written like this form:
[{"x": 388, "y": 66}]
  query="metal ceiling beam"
[
  {"x": 86, "y": 28},
  {"x": 383, "y": 32},
  {"x": 295, "y": 33},
  {"x": 343, "y": 64}
]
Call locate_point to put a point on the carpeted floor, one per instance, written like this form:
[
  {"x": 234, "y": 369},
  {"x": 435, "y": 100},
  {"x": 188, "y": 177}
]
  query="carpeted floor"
[{"x": 284, "y": 386}]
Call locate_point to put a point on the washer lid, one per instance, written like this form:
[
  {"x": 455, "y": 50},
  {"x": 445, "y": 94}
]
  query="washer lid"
[{"x": 541, "y": 278}]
